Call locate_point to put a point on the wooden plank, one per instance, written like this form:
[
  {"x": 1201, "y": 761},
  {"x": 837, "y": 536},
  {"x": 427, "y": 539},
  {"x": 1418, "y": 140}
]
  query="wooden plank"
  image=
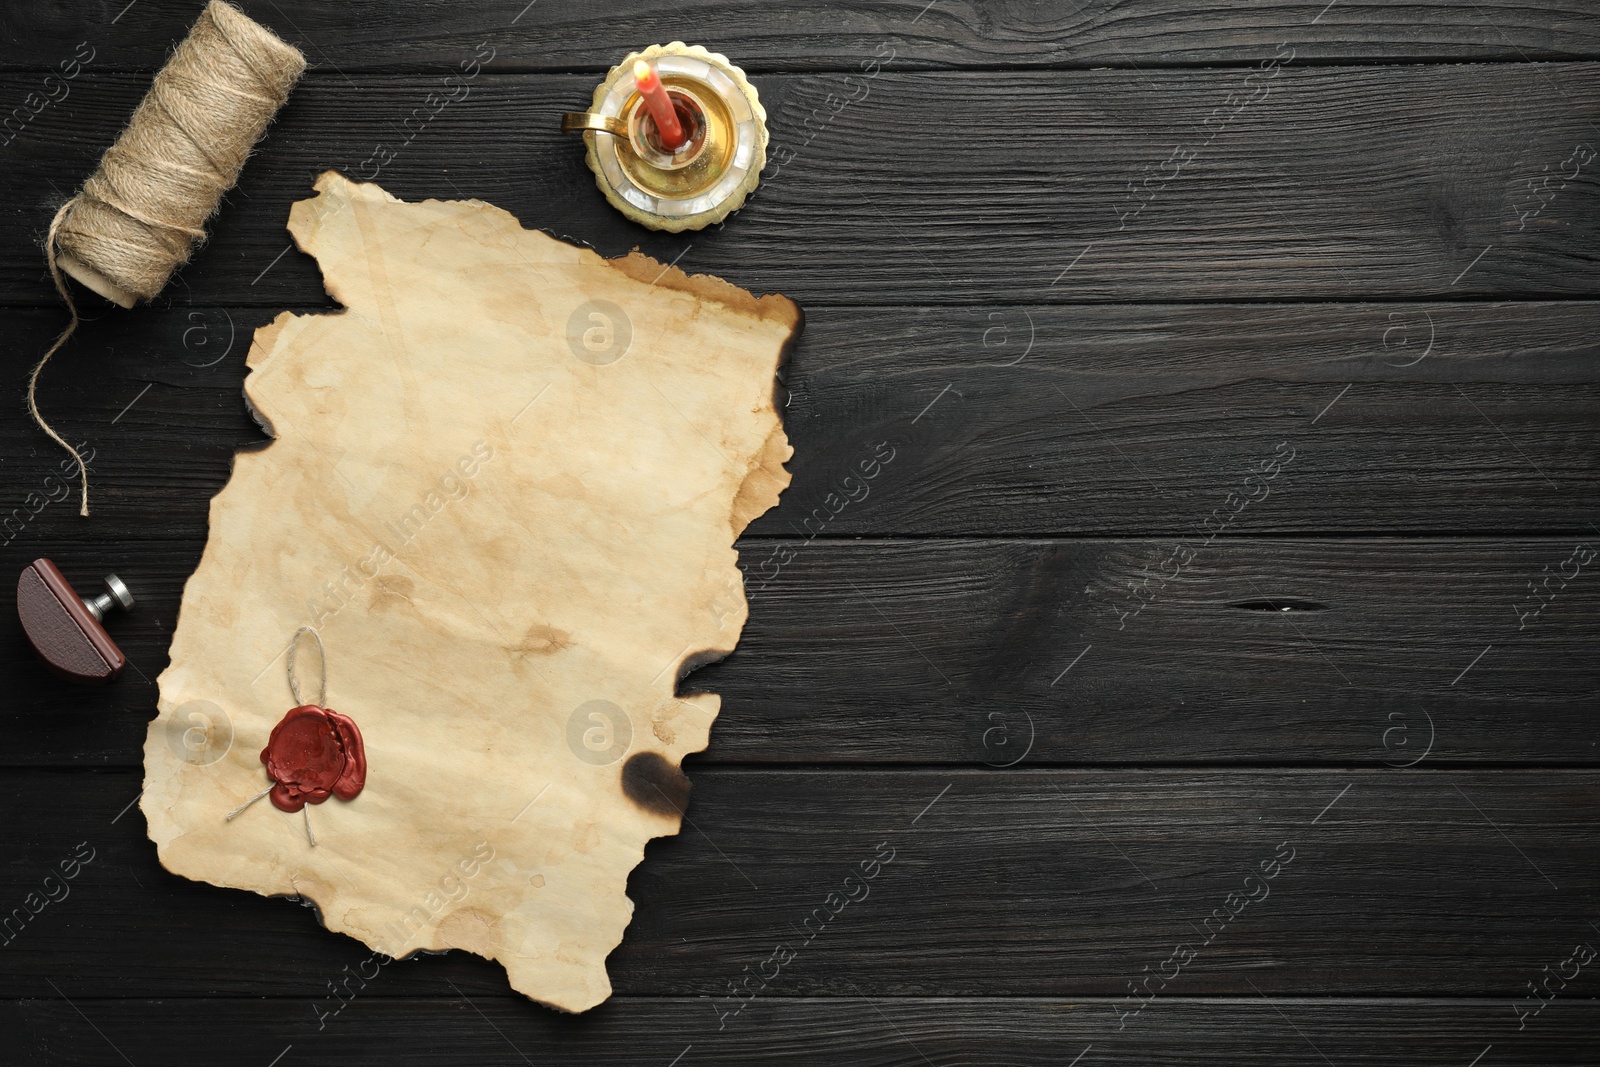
[
  {"x": 1065, "y": 883},
  {"x": 1066, "y": 187},
  {"x": 1143, "y": 419},
  {"x": 1394, "y": 650},
  {"x": 829, "y": 34},
  {"x": 487, "y": 1031},
  {"x": 1104, "y": 420}
]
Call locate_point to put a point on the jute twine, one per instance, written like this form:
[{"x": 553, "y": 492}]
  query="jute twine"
[{"x": 139, "y": 216}]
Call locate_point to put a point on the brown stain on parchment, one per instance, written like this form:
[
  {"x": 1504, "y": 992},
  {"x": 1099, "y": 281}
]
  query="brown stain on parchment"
[
  {"x": 664, "y": 733},
  {"x": 471, "y": 929},
  {"x": 655, "y": 784},
  {"x": 779, "y": 310},
  {"x": 392, "y": 591},
  {"x": 542, "y": 640}
]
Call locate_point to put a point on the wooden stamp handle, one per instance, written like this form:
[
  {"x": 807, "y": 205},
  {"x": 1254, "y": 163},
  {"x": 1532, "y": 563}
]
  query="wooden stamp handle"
[{"x": 64, "y": 629}]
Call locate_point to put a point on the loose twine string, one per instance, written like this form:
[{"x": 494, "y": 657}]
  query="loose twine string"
[
  {"x": 322, "y": 674},
  {"x": 140, "y": 215}
]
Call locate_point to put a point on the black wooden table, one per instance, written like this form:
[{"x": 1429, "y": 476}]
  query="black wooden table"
[{"x": 1209, "y": 671}]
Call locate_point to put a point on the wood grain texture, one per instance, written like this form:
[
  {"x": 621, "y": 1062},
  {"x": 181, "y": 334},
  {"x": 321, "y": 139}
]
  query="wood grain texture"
[
  {"x": 1393, "y": 201},
  {"x": 1427, "y": 418},
  {"x": 827, "y": 34},
  {"x": 1011, "y": 650},
  {"x": 488, "y": 1031},
  {"x": 1064, "y": 883},
  {"x": 1376, "y": 182}
]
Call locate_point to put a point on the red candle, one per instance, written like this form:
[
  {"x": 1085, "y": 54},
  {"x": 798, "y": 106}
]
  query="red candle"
[{"x": 660, "y": 105}]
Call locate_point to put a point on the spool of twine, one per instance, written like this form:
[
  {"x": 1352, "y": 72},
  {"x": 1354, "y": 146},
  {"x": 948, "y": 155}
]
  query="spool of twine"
[{"x": 141, "y": 213}]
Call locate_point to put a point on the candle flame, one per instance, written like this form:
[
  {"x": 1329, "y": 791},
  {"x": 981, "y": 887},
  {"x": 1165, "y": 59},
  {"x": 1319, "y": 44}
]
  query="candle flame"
[{"x": 643, "y": 73}]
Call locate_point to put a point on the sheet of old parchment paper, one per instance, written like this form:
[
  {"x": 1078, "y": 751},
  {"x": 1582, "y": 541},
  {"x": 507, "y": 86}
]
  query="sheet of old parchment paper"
[{"x": 504, "y": 487}]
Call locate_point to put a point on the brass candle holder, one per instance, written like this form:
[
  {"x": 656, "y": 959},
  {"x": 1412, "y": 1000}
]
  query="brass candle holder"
[{"x": 715, "y": 169}]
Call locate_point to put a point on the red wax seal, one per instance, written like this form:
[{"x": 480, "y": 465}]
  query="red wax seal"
[{"x": 314, "y": 752}]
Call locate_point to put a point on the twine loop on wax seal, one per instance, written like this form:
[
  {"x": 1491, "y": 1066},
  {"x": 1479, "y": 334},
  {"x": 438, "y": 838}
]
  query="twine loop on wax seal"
[{"x": 139, "y": 216}]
